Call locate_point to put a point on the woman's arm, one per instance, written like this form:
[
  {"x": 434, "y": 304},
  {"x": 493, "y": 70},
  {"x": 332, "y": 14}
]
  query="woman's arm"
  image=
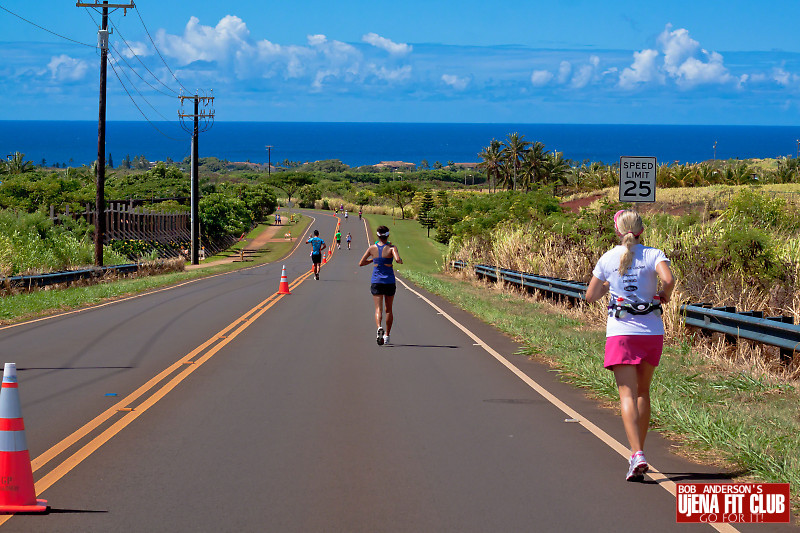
[
  {"x": 667, "y": 281},
  {"x": 396, "y": 254},
  {"x": 596, "y": 290},
  {"x": 366, "y": 259}
]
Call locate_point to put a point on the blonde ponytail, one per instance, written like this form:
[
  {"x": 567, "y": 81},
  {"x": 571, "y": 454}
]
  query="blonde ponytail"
[{"x": 629, "y": 226}]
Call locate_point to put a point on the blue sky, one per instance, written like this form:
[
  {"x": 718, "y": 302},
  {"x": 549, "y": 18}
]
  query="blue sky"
[{"x": 572, "y": 61}]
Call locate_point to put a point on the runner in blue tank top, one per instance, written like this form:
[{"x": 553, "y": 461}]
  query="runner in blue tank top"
[
  {"x": 317, "y": 245},
  {"x": 383, "y": 286}
]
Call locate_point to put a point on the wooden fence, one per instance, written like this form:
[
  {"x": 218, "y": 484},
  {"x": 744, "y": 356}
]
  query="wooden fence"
[{"x": 124, "y": 222}]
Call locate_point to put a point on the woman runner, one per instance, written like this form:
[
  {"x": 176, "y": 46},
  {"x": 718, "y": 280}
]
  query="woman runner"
[
  {"x": 349, "y": 238},
  {"x": 383, "y": 287},
  {"x": 634, "y": 330}
]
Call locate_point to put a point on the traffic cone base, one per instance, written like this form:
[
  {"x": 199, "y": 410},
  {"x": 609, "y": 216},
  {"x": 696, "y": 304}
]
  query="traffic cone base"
[
  {"x": 283, "y": 288},
  {"x": 17, "y": 492}
]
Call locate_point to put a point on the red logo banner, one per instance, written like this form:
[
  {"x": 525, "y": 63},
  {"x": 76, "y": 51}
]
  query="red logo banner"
[{"x": 732, "y": 502}]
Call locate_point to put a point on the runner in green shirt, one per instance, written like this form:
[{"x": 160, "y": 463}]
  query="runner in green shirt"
[{"x": 338, "y": 240}]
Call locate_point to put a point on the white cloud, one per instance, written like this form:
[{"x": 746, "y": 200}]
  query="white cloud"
[
  {"x": 382, "y": 42},
  {"x": 683, "y": 60},
  {"x": 582, "y": 77},
  {"x": 693, "y": 71},
  {"x": 540, "y": 78},
  {"x": 677, "y": 47},
  {"x": 204, "y": 43},
  {"x": 316, "y": 40},
  {"x": 65, "y": 68},
  {"x": 391, "y": 74},
  {"x": 644, "y": 69},
  {"x": 455, "y": 82},
  {"x": 783, "y": 78},
  {"x": 564, "y": 70},
  {"x": 133, "y": 49}
]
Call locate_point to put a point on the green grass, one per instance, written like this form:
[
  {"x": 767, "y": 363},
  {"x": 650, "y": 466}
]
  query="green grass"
[
  {"x": 748, "y": 422},
  {"x": 419, "y": 253},
  {"x": 24, "y": 306}
]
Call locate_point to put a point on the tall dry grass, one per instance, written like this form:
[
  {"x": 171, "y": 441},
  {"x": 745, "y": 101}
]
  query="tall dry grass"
[{"x": 527, "y": 248}]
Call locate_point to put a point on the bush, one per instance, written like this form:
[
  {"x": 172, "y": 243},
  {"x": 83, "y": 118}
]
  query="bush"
[
  {"x": 31, "y": 243},
  {"x": 222, "y": 215},
  {"x": 753, "y": 208}
]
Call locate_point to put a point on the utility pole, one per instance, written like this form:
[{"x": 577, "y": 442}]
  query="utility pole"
[
  {"x": 207, "y": 116},
  {"x": 269, "y": 160},
  {"x": 100, "y": 178}
]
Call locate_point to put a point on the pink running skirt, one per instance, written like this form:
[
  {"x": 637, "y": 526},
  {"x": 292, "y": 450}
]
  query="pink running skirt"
[{"x": 633, "y": 349}]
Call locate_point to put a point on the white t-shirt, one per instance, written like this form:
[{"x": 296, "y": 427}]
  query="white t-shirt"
[{"x": 639, "y": 284}]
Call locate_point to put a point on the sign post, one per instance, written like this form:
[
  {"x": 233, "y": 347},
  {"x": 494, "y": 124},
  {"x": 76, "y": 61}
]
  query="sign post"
[{"x": 637, "y": 179}]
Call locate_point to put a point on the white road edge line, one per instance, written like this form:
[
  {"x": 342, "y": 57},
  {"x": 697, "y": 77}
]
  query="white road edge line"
[{"x": 666, "y": 483}]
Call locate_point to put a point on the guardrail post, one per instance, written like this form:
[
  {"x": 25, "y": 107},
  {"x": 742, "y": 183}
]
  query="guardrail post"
[{"x": 786, "y": 355}]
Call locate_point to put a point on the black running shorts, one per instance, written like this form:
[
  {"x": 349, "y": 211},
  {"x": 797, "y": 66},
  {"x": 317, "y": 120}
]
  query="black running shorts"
[
  {"x": 383, "y": 289},
  {"x": 316, "y": 258}
]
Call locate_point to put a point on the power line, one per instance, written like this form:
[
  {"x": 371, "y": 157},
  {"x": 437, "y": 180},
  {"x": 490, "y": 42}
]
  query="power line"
[
  {"x": 139, "y": 108},
  {"x": 157, "y": 51},
  {"x": 121, "y": 56},
  {"x": 138, "y": 91},
  {"x": 175, "y": 93},
  {"x": 45, "y": 29}
]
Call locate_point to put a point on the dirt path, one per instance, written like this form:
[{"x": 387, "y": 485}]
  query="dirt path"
[
  {"x": 272, "y": 233},
  {"x": 575, "y": 206}
]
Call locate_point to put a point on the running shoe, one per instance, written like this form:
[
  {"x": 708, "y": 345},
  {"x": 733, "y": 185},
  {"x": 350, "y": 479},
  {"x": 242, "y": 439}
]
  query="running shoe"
[
  {"x": 316, "y": 276},
  {"x": 638, "y": 467},
  {"x": 386, "y": 339},
  {"x": 380, "y": 337}
]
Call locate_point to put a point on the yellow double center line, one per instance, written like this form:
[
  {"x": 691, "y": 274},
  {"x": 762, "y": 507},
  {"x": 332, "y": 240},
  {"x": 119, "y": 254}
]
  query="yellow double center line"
[{"x": 132, "y": 410}]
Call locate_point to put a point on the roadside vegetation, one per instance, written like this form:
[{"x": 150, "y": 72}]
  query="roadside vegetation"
[{"x": 15, "y": 307}]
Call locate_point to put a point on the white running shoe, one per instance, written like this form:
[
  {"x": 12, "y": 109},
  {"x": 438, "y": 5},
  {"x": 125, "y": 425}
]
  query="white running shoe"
[
  {"x": 380, "y": 337},
  {"x": 386, "y": 339},
  {"x": 637, "y": 468}
]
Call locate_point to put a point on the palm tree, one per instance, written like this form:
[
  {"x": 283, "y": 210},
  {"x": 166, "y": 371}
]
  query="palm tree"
[
  {"x": 513, "y": 150},
  {"x": 556, "y": 169},
  {"x": 18, "y": 165},
  {"x": 492, "y": 161},
  {"x": 533, "y": 166}
]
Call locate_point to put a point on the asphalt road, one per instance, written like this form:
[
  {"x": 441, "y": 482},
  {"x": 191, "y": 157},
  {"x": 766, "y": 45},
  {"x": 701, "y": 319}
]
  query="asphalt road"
[{"x": 294, "y": 419}]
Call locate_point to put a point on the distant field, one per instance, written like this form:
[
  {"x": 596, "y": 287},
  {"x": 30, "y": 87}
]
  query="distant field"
[{"x": 419, "y": 253}]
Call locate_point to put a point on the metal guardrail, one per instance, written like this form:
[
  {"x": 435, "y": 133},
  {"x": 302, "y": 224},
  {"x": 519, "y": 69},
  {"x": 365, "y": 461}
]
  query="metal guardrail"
[
  {"x": 557, "y": 286},
  {"x": 53, "y": 278},
  {"x": 777, "y": 331}
]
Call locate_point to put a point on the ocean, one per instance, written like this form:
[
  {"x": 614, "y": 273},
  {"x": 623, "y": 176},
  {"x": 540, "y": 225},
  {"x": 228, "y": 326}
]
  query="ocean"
[{"x": 74, "y": 143}]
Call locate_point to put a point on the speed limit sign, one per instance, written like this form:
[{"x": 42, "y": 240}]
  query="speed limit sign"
[{"x": 637, "y": 179}]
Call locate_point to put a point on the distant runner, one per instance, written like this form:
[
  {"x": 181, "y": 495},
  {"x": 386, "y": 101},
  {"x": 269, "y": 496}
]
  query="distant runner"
[
  {"x": 383, "y": 285},
  {"x": 338, "y": 237},
  {"x": 317, "y": 245},
  {"x": 345, "y": 214},
  {"x": 359, "y": 213},
  {"x": 348, "y": 239},
  {"x": 635, "y": 329}
]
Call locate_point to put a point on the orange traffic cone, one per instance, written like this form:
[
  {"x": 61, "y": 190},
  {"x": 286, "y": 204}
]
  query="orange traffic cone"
[
  {"x": 17, "y": 493},
  {"x": 283, "y": 288}
]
